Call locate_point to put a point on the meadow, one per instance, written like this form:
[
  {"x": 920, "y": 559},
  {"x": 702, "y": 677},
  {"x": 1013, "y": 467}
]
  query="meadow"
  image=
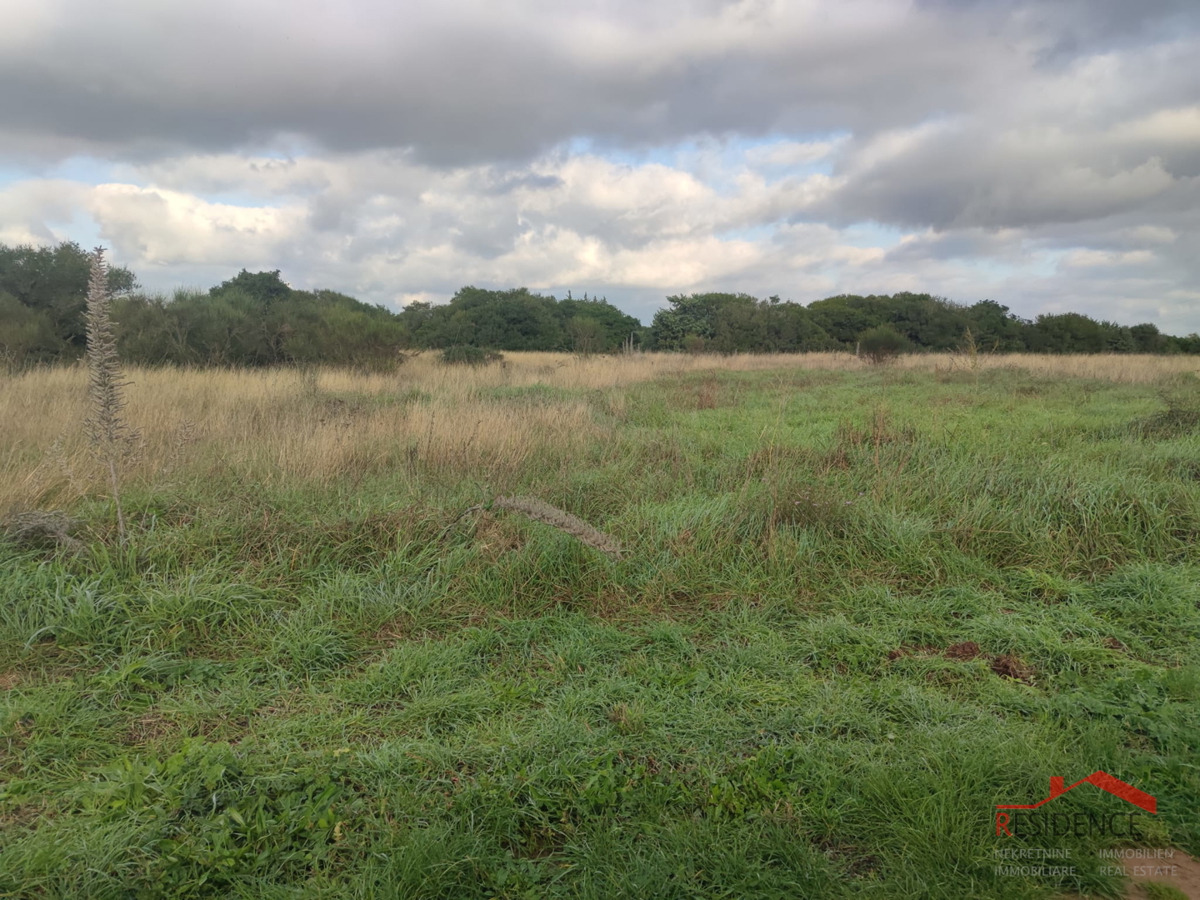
[{"x": 855, "y": 608}]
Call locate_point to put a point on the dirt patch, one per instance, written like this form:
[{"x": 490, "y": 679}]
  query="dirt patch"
[
  {"x": 965, "y": 650},
  {"x": 9, "y": 680},
  {"x": 1180, "y": 872},
  {"x": 1008, "y": 666},
  {"x": 1113, "y": 644}
]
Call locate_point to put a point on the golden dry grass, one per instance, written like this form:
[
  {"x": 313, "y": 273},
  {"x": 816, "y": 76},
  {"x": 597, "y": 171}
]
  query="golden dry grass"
[
  {"x": 1123, "y": 368},
  {"x": 271, "y": 425}
]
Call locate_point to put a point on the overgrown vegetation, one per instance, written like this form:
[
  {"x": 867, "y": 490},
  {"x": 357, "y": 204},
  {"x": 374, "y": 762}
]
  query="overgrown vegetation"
[
  {"x": 257, "y": 319},
  {"x": 467, "y": 355},
  {"x": 882, "y": 344},
  {"x": 739, "y": 323},
  {"x": 854, "y": 609}
]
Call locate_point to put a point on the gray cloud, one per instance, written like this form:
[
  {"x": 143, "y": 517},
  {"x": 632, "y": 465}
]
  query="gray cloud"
[
  {"x": 471, "y": 81},
  {"x": 1041, "y": 152}
]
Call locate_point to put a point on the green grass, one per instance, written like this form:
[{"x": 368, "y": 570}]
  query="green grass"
[
  {"x": 285, "y": 692},
  {"x": 1158, "y": 891}
]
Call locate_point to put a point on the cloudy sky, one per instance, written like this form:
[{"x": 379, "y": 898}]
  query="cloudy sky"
[{"x": 1045, "y": 153}]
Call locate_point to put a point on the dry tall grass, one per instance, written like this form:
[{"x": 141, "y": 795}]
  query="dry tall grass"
[
  {"x": 1123, "y": 368},
  {"x": 272, "y": 425}
]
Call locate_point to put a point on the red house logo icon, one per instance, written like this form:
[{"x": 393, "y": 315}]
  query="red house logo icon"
[{"x": 1102, "y": 780}]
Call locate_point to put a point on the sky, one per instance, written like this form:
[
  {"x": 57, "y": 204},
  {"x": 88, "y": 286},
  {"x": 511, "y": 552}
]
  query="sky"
[{"x": 1041, "y": 153}]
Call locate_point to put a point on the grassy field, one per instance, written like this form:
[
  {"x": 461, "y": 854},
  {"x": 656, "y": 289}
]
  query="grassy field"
[{"x": 856, "y": 609}]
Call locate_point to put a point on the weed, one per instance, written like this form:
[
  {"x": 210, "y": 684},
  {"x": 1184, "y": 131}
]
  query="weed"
[{"x": 115, "y": 445}]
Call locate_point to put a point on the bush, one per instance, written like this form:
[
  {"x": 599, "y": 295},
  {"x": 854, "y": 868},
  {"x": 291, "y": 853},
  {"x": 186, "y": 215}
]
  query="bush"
[
  {"x": 882, "y": 343},
  {"x": 466, "y": 355}
]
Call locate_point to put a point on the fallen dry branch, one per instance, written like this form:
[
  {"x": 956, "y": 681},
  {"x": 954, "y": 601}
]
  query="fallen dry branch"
[{"x": 563, "y": 521}]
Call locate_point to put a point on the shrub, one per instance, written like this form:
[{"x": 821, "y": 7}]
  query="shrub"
[
  {"x": 882, "y": 343},
  {"x": 467, "y": 355}
]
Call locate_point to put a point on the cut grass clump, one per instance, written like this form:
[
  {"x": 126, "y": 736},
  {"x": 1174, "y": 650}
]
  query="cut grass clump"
[
  {"x": 1180, "y": 419},
  {"x": 42, "y": 530}
]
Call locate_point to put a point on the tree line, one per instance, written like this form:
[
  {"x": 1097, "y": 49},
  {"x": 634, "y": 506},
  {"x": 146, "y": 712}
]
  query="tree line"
[
  {"x": 257, "y": 319},
  {"x": 727, "y": 323}
]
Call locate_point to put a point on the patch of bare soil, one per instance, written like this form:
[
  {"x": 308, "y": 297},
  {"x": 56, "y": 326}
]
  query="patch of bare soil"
[
  {"x": 1180, "y": 872},
  {"x": 965, "y": 650},
  {"x": 1008, "y": 666}
]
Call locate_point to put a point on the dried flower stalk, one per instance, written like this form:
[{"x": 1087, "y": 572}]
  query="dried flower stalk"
[{"x": 113, "y": 443}]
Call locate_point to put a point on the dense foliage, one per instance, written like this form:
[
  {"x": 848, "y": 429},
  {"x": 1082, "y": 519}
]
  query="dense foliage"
[
  {"x": 519, "y": 320},
  {"x": 883, "y": 342},
  {"x": 740, "y": 323},
  {"x": 258, "y": 319},
  {"x": 43, "y": 298}
]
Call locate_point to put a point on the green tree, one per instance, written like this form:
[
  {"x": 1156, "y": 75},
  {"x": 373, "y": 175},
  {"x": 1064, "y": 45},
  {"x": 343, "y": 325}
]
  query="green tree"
[
  {"x": 1148, "y": 339},
  {"x": 1067, "y": 333},
  {"x": 266, "y": 288},
  {"x": 53, "y": 281},
  {"x": 995, "y": 328},
  {"x": 695, "y": 314},
  {"x": 844, "y": 317},
  {"x": 586, "y": 335},
  {"x": 615, "y": 325},
  {"x": 26, "y": 335}
]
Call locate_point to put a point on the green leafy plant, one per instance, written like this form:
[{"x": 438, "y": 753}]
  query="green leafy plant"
[{"x": 216, "y": 818}]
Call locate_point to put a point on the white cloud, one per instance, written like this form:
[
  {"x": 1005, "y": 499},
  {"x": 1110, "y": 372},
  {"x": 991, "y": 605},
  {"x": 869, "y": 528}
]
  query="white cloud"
[
  {"x": 792, "y": 153},
  {"x": 1090, "y": 259},
  {"x": 158, "y": 227},
  {"x": 1039, "y": 153}
]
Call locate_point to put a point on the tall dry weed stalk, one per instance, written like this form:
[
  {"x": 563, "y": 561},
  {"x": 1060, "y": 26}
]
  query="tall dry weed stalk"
[{"x": 112, "y": 442}]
